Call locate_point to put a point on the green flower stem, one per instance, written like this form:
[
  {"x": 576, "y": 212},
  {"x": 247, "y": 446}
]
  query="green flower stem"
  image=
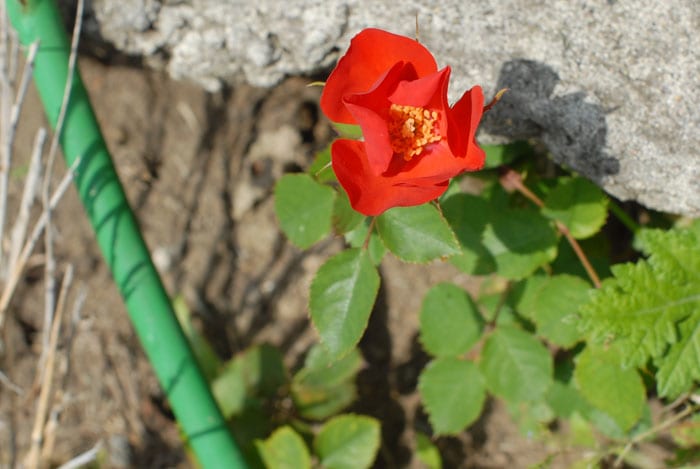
[
  {"x": 373, "y": 221},
  {"x": 624, "y": 218},
  {"x": 120, "y": 240}
]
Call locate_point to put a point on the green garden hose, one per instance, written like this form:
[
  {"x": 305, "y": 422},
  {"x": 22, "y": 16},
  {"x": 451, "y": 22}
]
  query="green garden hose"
[{"x": 120, "y": 240}]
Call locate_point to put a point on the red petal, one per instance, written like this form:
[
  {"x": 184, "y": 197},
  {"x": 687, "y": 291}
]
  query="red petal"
[
  {"x": 435, "y": 164},
  {"x": 370, "y": 111},
  {"x": 370, "y": 194},
  {"x": 371, "y": 53},
  {"x": 428, "y": 91},
  {"x": 463, "y": 120}
]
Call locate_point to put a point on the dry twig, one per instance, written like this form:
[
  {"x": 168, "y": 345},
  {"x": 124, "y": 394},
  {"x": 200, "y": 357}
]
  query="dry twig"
[
  {"x": 9, "y": 130},
  {"x": 50, "y": 264},
  {"x": 32, "y": 459},
  {"x": 31, "y": 189},
  {"x": 29, "y": 245}
]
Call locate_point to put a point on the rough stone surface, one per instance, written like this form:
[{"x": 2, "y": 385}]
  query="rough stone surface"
[{"x": 611, "y": 87}]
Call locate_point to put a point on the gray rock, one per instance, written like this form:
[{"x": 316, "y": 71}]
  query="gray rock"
[{"x": 611, "y": 87}]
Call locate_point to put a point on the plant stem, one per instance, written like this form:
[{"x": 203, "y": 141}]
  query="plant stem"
[
  {"x": 512, "y": 180},
  {"x": 496, "y": 98},
  {"x": 652, "y": 431},
  {"x": 624, "y": 218},
  {"x": 365, "y": 245}
]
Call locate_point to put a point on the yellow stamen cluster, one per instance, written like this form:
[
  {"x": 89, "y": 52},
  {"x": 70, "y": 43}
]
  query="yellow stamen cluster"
[{"x": 411, "y": 129}]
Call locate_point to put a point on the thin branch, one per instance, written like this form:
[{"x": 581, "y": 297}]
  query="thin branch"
[
  {"x": 511, "y": 180},
  {"x": 60, "y": 305},
  {"x": 623, "y": 217},
  {"x": 83, "y": 459},
  {"x": 325, "y": 167},
  {"x": 653, "y": 431},
  {"x": 5, "y": 110},
  {"x": 496, "y": 98},
  {"x": 365, "y": 245},
  {"x": 50, "y": 264},
  {"x": 31, "y": 189},
  {"x": 9, "y": 132},
  {"x": 27, "y": 75},
  {"x": 32, "y": 459},
  {"x": 29, "y": 245},
  {"x": 72, "y": 59},
  {"x": 10, "y": 385},
  {"x": 49, "y": 440},
  {"x": 72, "y": 330}
]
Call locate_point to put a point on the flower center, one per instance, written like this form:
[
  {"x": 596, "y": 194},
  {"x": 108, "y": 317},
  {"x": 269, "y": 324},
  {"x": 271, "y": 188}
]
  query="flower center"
[{"x": 411, "y": 129}]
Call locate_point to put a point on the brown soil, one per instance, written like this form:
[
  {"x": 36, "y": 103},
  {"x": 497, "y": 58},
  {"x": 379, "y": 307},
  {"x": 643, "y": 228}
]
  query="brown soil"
[{"x": 199, "y": 170}]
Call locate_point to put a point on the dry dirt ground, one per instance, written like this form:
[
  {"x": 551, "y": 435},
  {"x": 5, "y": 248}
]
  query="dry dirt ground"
[{"x": 200, "y": 169}]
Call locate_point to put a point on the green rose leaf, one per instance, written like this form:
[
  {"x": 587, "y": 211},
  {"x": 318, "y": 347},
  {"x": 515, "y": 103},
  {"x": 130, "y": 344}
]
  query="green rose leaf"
[
  {"x": 551, "y": 303},
  {"x": 350, "y": 131},
  {"x": 304, "y": 208},
  {"x": 565, "y": 400},
  {"x": 520, "y": 241},
  {"x": 356, "y": 239},
  {"x": 517, "y": 367},
  {"x": 450, "y": 323},
  {"x": 284, "y": 449},
  {"x": 498, "y": 155},
  {"x": 348, "y": 442},
  {"x": 321, "y": 168},
  {"x": 417, "y": 234},
  {"x": 468, "y": 215},
  {"x": 610, "y": 387},
  {"x": 256, "y": 372},
  {"x": 579, "y": 204},
  {"x": 341, "y": 299},
  {"x": 324, "y": 386},
  {"x": 427, "y": 452},
  {"x": 453, "y": 393},
  {"x": 345, "y": 219}
]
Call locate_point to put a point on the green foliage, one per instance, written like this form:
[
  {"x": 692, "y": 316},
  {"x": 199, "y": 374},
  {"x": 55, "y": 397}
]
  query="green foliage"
[
  {"x": 565, "y": 400},
  {"x": 416, "y": 234},
  {"x": 345, "y": 219},
  {"x": 321, "y": 169},
  {"x": 348, "y": 442},
  {"x": 499, "y": 155},
  {"x": 688, "y": 435},
  {"x": 468, "y": 215},
  {"x": 304, "y": 208},
  {"x": 341, "y": 299},
  {"x": 579, "y": 204},
  {"x": 610, "y": 387},
  {"x": 324, "y": 386},
  {"x": 513, "y": 243},
  {"x": 357, "y": 237},
  {"x": 256, "y": 373},
  {"x": 651, "y": 309},
  {"x": 453, "y": 393},
  {"x": 345, "y": 441},
  {"x": 450, "y": 323},
  {"x": 538, "y": 336},
  {"x": 516, "y": 366},
  {"x": 597, "y": 251},
  {"x": 551, "y": 302},
  {"x": 284, "y": 449},
  {"x": 348, "y": 130},
  {"x": 520, "y": 241},
  {"x": 427, "y": 453}
]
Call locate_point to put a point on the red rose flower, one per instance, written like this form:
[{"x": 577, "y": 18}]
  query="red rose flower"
[{"x": 414, "y": 142}]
